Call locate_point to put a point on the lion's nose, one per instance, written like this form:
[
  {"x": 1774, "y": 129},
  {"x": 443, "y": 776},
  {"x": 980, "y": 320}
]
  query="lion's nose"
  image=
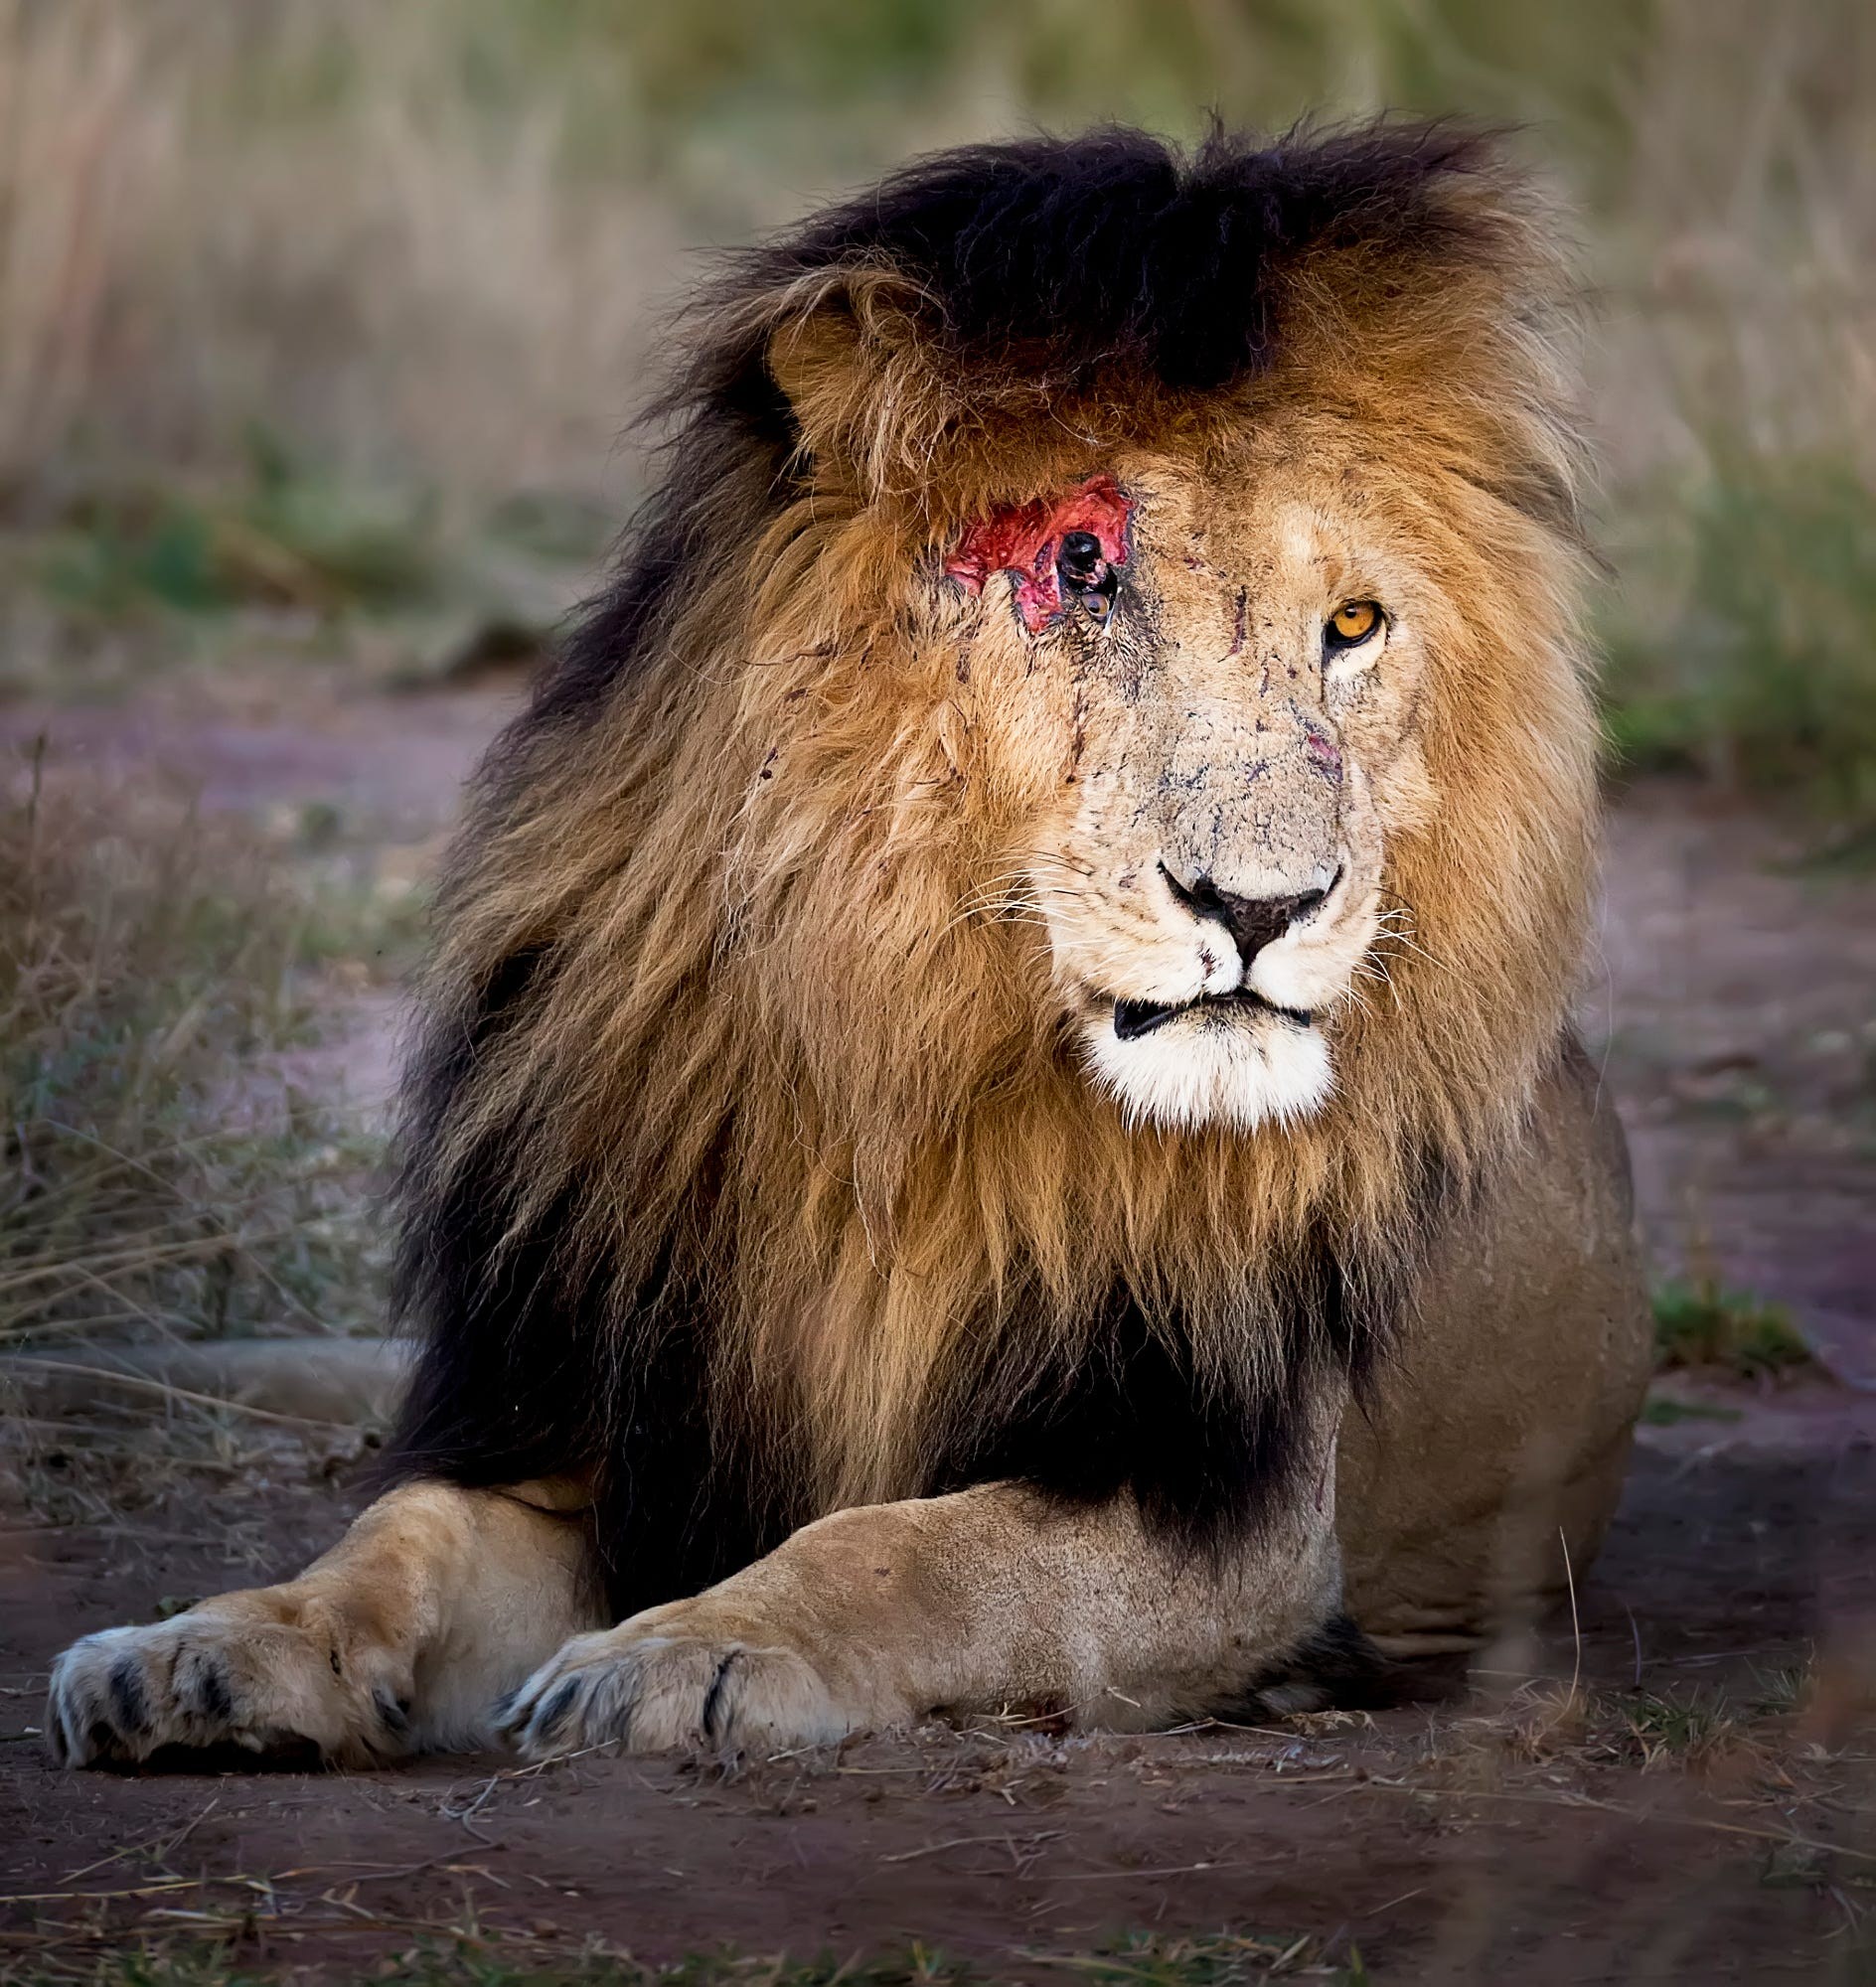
[{"x": 1253, "y": 922}]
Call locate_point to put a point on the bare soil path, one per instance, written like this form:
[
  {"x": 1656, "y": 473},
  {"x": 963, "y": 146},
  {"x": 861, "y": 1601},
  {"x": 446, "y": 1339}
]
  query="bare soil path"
[
  {"x": 1675, "y": 1819},
  {"x": 1528, "y": 1840}
]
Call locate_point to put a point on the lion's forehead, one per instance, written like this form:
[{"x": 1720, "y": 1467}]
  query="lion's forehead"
[{"x": 1024, "y": 539}]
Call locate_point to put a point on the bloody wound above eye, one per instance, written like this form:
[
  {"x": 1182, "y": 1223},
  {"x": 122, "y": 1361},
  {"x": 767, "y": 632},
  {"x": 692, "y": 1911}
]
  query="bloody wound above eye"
[{"x": 1044, "y": 544}]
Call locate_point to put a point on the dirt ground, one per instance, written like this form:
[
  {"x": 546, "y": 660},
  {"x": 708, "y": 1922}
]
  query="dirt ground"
[{"x": 1689, "y": 1796}]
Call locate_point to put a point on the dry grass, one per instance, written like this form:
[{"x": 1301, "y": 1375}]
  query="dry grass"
[
  {"x": 461, "y": 1956},
  {"x": 165, "y": 1174}
]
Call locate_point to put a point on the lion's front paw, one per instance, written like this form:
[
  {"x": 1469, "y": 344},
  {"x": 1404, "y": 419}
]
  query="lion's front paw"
[
  {"x": 664, "y": 1680},
  {"x": 231, "y": 1672}
]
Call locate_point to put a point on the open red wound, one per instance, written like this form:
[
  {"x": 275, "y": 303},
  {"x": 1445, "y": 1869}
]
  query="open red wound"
[{"x": 1027, "y": 541}]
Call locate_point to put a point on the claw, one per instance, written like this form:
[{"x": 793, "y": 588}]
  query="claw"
[{"x": 712, "y": 1704}]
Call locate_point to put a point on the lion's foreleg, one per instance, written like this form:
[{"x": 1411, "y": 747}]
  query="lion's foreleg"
[
  {"x": 398, "y": 1641},
  {"x": 993, "y": 1597}
]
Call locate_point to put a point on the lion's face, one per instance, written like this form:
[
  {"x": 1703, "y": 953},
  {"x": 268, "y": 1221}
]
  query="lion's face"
[{"x": 1202, "y": 680}]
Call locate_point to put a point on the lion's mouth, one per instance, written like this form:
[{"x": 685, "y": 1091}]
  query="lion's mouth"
[{"x": 1134, "y": 1019}]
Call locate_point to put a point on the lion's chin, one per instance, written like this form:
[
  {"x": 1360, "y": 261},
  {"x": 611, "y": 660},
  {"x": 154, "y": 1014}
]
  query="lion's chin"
[{"x": 1236, "y": 1068}]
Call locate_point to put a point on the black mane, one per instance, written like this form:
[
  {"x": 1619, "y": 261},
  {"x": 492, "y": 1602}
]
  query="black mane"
[{"x": 1114, "y": 247}]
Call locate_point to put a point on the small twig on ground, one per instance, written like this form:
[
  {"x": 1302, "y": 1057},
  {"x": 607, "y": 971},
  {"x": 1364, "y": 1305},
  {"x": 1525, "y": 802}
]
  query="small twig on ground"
[{"x": 966, "y": 1842}]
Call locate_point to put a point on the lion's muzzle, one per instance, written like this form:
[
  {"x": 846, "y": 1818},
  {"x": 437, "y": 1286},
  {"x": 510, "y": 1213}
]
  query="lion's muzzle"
[{"x": 1204, "y": 963}]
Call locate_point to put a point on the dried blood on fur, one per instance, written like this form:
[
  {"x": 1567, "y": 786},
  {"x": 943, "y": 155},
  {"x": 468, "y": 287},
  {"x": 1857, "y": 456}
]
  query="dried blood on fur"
[{"x": 1025, "y": 539}]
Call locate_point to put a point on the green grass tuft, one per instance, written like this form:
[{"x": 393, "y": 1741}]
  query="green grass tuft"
[
  {"x": 1700, "y": 1325},
  {"x": 1679, "y": 1725},
  {"x": 1664, "y": 1412}
]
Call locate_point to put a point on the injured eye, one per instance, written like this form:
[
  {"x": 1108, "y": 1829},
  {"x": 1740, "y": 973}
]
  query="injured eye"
[
  {"x": 1085, "y": 575},
  {"x": 1080, "y": 556},
  {"x": 1352, "y": 624}
]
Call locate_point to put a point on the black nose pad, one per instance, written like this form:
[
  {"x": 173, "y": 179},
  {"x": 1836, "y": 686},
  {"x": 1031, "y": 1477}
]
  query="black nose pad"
[{"x": 1253, "y": 922}]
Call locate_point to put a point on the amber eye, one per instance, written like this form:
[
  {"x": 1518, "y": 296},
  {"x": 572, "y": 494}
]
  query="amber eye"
[{"x": 1352, "y": 624}]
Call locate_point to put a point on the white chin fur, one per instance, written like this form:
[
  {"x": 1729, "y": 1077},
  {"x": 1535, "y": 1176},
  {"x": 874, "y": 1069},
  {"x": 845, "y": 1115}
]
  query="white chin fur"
[{"x": 1205, "y": 1069}]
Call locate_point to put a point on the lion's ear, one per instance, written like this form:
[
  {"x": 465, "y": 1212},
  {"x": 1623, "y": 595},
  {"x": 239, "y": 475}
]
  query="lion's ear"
[
  {"x": 856, "y": 368},
  {"x": 818, "y": 361}
]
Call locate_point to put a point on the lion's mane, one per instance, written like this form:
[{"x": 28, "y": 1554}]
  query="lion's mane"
[{"x": 744, "y": 1164}]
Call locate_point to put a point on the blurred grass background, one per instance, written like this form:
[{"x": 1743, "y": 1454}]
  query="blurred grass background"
[{"x": 327, "y": 315}]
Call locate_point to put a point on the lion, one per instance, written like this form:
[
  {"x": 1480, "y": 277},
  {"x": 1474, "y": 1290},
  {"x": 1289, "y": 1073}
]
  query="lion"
[{"x": 996, "y": 1123}]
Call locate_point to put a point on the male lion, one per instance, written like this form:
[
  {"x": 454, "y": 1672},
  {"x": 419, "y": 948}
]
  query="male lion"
[{"x": 1011, "y": 986}]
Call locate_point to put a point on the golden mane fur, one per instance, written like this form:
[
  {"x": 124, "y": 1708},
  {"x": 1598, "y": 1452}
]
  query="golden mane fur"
[{"x": 761, "y": 1024}]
